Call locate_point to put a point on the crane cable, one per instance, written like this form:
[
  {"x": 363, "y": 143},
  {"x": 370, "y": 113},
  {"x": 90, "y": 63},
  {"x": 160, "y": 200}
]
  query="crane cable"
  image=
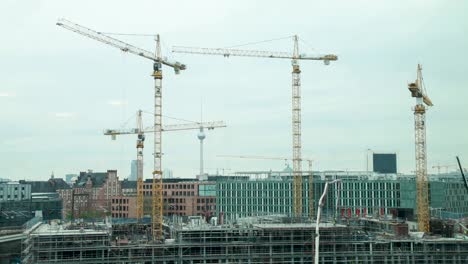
[
  {"x": 128, "y": 34},
  {"x": 258, "y": 42}
]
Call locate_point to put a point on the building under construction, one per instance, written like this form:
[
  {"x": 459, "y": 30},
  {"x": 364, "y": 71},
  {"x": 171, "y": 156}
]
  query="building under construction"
[{"x": 268, "y": 239}]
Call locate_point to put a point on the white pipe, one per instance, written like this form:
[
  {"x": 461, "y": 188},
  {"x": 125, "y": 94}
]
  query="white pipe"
[{"x": 319, "y": 212}]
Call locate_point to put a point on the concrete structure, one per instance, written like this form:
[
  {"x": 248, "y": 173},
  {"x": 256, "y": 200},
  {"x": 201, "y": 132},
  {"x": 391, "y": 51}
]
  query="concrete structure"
[
  {"x": 252, "y": 240},
  {"x": 14, "y": 191},
  {"x": 63, "y": 244}
]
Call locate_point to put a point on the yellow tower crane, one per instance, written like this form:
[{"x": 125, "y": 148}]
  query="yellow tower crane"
[
  {"x": 157, "y": 215},
  {"x": 296, "y": 98},
  {"x": 418, "y": 91},
  {"x": 311, "y": 174},
  {"x": 140, "y": 132}
]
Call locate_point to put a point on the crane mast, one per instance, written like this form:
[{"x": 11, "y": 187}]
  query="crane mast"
[
  {"x": 296, "y": 99},
  {"x": 157, "y": 214},
  {"x": 422, "y": 184},
  {"x": 157, "y": 75},
  {"x": 296, "y": 131}
]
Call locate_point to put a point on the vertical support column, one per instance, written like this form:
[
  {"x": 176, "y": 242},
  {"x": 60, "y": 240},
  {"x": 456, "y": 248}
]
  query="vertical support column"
[
  {"x": 422, "y": 185},
  {"x": 157, "y": 220},
  {"x": 296, "y": 131}
]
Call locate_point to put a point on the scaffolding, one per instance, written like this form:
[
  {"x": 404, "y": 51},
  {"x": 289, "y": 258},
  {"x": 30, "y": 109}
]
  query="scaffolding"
[{"x": 255, "y": 240}]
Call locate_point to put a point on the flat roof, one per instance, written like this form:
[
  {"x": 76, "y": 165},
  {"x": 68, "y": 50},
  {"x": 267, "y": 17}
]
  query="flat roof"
[{"x": 60, "y": 230}]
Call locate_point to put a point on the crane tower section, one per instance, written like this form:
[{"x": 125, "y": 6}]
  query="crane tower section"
[
  {"x": 422, "y": 184},
  {"x": 157, "y": 171},
  {"x": 296, "y": 131}
]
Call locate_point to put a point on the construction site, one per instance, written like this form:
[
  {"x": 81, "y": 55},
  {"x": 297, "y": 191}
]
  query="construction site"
[
  {"x": 269, "y": 239},
  {"x": 303, "y": 216}
]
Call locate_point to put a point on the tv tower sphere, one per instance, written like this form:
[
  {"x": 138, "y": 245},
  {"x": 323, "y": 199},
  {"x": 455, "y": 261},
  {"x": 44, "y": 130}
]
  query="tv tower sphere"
[{"x": 201, "y": 135}]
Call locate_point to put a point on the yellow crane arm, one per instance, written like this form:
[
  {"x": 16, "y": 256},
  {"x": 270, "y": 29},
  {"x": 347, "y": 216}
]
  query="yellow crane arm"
[
  {"x": 251, "y": 53},
  {"x": 87, "y": 32}
]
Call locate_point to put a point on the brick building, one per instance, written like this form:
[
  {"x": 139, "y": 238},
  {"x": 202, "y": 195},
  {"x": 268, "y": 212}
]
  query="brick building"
[
  {"x": 181, "y": 196},
  {"x": 123, "y": 206},
  {"x": 91, "y": 194},
  {"x": 186, "y": 197}
]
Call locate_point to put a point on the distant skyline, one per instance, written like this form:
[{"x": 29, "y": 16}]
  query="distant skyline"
[{"x": 60, "y": 90}]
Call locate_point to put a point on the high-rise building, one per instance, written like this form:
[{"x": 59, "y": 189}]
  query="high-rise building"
[
  {"x": 167, "y": 174},
  {"x": 133, "y": 170}
]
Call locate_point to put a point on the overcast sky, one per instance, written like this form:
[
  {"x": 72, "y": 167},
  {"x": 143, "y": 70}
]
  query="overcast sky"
[{"x": 60, "y": 90}]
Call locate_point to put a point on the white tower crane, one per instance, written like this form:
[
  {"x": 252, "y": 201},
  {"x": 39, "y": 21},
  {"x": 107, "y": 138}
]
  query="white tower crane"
[
  {"x": 157, "y": 215},
  {"x": 418, "y": 91},
  {"x": 296, "y": 98}
]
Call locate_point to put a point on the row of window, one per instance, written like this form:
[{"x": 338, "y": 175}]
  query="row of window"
[
  {"x": 174, "y": 200},
  {"x": 8, "y": 196},
  {"x": 120, "y": 200},
  {"x": 255, "y": 201},
  {"x": 176, "y": 207},
  {"x": 207, "y": 200},
  {"x": 287, "y": 185},
  {"x": 173, "y": 186},
  {"x": 120, "y": 215},
  {"x": 173, "y": 193},
  {"x": 120, "y": 208},
  {"x": 15, "y": 188}
]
